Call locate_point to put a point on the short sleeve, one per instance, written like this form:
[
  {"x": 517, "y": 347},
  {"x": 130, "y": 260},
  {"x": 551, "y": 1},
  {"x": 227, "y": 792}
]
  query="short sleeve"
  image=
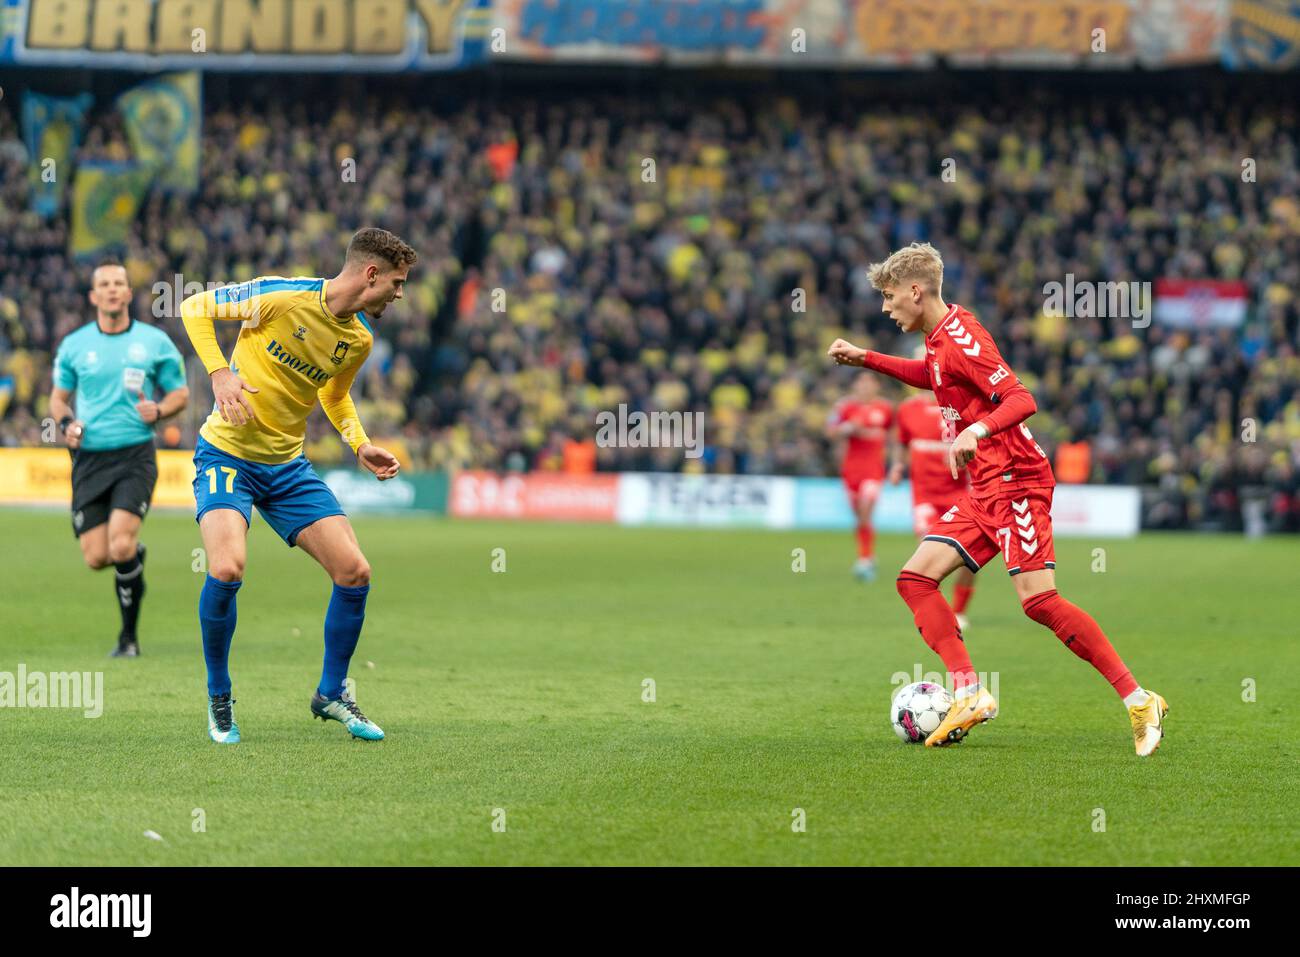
[
  {"x": 65, "y": 373},
  {"x": 169, "y": 367}
]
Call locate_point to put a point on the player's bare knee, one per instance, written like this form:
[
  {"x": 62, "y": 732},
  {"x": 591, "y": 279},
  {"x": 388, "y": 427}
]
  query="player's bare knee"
[
  {"x": 227, "y": 569},
  {"x": 121, "y": 548},
  {"x": 96, "y": 560},
  {"x": 354, "y": 574}
]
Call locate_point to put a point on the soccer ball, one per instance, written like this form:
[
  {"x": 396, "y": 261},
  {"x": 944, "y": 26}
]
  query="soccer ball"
[{"x": 917, "y": 710}]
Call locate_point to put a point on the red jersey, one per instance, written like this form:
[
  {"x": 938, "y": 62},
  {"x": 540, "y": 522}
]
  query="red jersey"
[
  {"x": 920, "y": 430},
  {"x": 864, "y": 455},
  {"x": 969, "y": 378}
]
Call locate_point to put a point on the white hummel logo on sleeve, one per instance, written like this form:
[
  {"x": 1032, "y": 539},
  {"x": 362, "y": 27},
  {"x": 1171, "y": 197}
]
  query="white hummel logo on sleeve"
[{"x": 962, "y": 337}]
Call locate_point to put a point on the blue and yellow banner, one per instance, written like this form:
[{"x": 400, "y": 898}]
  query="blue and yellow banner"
[
  {"x": 1263, "y": 35},
  {"x": 163, "y": 121},
  {"x": 52, "y": 127},
  {"x": 105, "y": 200}
]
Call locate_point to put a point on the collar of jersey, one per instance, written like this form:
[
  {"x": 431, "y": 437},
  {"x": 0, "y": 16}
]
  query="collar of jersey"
[
  {"x": 129, "y": 326},
  {"x": 324, "y": 285},
  {"x": 947, "y": 318}
]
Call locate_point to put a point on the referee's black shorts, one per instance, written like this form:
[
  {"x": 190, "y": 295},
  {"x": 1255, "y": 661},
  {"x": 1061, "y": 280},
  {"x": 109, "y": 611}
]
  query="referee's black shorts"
[{"x": 114, "y": 478}]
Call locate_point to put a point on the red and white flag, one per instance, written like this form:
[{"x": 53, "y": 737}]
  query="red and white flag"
[{"x": 1200, "y": 303}]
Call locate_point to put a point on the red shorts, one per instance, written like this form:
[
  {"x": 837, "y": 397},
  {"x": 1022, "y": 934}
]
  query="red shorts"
[
  {"x": 1019, "y": 525},
  {"x": 861, "y": 488}
]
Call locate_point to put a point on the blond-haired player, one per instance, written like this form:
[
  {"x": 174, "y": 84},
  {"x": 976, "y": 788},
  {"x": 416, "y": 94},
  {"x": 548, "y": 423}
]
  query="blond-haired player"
[{"x": 1008, "y": 507}]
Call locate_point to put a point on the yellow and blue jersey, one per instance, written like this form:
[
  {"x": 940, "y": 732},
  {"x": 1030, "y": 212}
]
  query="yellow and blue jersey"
[{"x": 293, "y": 350}]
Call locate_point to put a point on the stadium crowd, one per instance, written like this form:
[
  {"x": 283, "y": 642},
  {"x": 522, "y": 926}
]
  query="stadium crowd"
[{"x": 671, "y": 252}]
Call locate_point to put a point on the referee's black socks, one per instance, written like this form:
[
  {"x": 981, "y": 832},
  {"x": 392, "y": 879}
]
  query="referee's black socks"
[{"x": 130, "y": 590}]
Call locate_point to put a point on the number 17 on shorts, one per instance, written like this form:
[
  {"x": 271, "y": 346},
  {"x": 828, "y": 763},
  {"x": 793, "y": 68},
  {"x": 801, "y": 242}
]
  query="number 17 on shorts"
[
  {"x": 227, "y": 473},
  {"x": 220, "y": 482}
]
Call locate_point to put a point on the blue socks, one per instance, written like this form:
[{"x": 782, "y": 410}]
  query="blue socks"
[
  {"x": 343, "y": 619},
  {"x": 217, "y": 619}
]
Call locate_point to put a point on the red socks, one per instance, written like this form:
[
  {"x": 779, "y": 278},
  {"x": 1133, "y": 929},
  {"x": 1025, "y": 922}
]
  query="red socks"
[
  {"x": 866, "y": 541},
  {"x": 937, "y": 625},
  {"x": 961, "y": 597},
  {"x": 1082, "y": 635}
]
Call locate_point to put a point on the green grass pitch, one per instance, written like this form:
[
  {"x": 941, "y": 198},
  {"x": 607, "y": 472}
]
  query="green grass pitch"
[{"x": 522, "y": 691}]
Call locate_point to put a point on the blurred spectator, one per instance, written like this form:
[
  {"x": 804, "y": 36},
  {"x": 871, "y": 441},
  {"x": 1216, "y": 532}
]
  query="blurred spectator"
[
  {"x": 1073, "y": 462},
  {"x": 555, "y": 281},
  {"x": 579, "y": 456}
]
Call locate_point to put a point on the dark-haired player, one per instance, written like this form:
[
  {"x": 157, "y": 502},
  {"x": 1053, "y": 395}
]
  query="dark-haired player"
[
  {"x": 112, "y": 370},
  {"x": 1008, "y": 507},
  {"x": 302, "y": 340}
]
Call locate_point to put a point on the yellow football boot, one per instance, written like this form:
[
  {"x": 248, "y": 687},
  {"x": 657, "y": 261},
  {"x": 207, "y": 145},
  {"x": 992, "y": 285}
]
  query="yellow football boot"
[
  {"x": 1148, "y": 722},
  {"x": 965, "y": 714}
]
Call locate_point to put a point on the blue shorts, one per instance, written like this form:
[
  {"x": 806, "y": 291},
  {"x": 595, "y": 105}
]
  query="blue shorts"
[{"x": 290, "y": 496}]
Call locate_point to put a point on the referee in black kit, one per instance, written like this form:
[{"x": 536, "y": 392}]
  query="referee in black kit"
[{"x": 113, "y": 368}]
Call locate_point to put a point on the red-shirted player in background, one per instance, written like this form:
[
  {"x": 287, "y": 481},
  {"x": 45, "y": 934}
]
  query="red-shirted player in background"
[
  {"x": 1008, "y": 507},
  {"x": 865, "y": 420},
  {"x": 926, "y": 435}
]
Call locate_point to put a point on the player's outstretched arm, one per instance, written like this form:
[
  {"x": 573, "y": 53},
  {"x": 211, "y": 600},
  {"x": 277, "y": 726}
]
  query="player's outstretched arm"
[{"x": 910, "y": 371}]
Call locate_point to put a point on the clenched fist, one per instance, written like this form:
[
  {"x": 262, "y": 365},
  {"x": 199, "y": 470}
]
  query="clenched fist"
[
  {"x": 148, "y": 411},
  {"x": 846, "y": 353},
  {"x": 73, "y": 434}
]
